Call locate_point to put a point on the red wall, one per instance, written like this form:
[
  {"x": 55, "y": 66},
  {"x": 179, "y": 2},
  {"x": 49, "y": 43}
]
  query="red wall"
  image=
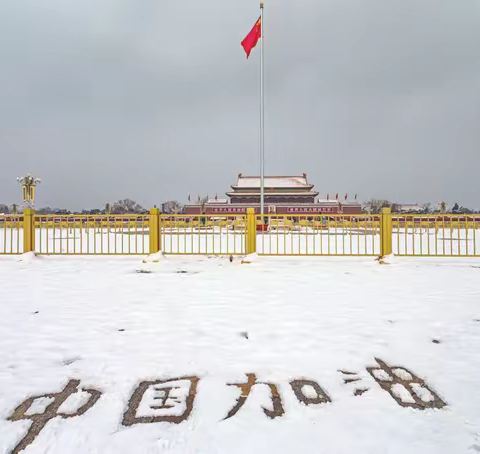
[{"x": 311, "y": 209}]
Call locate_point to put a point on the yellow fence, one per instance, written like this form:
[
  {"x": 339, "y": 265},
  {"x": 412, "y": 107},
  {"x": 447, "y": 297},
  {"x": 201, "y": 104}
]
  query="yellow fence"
[
  {"x": 11, "y": 234},
  {"x": 92, "y": 234},
  {"x": 210, "y": 235},
  {"x": 300, "y": 234},
  {"x": 436, "y": 235},
  {"x": 319, "y": 235}
]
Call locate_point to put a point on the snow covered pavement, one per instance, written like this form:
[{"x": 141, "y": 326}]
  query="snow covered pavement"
[{"x": 203, "y": 355}]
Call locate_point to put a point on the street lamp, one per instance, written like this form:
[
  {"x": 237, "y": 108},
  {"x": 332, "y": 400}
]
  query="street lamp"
[{"x": 28, "y": 188}]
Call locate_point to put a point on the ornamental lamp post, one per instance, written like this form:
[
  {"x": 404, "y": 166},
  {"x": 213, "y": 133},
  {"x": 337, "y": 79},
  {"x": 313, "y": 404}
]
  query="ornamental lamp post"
[{"x": 29, "y": 184}]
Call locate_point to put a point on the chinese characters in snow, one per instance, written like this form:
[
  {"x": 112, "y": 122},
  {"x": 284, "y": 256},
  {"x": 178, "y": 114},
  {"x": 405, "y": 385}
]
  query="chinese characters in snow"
[
  {"x": 245, "y": 391},
  {"x": 172, "y": 400},
  {"x": 407, "y": 389},
  {"x": 51, "y": 404},
  {"x": 161, "y": 401}
]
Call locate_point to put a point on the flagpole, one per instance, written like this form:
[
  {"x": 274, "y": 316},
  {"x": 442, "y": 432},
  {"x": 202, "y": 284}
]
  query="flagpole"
[{"x": 262, "y": 108}]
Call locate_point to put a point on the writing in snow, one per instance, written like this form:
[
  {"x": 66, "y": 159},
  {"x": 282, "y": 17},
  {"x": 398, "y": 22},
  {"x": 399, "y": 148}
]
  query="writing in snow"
[{"x": 172, "y": 400}]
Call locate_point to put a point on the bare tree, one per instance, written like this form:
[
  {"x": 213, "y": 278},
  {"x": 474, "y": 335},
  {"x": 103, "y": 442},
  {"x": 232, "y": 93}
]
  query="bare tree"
[
  {"x": 126, "y": 206},
  {"x": 374, "y": 206},
  {"x": 48, "y": 210},
  {"x": 172, "y": 207},
  {"x": 396, "y": 208},
  {"x": 464, "y": 210},
  {"x": 427, "y": 207}
]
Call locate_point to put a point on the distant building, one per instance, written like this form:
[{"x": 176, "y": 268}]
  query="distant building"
[
  {"x": 283, "y": 195},
  {"x": 408, "y": 207},
  {"x": 278, "y": 190}
]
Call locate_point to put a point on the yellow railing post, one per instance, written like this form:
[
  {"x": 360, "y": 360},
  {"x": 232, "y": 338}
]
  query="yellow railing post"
[
  {"x": 154, "y": 230},
  {"x": 251, "y": 231},
  {"x": 386, "y": 232},
  {"x": 28, "y": 230}
]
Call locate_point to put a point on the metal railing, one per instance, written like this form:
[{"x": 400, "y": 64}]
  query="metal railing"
[
  {"x": 347, "y": 235},
  {"x": 436, "y": 235},
  {"x": 446, "y": 235},
  {"x": 201, "y": 234},
  {"x": 11, "y": 234},
  {"x": 92, "y": 234}
]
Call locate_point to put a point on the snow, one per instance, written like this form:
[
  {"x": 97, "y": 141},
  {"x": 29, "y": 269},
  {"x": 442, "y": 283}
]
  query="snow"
[
  {"x": 250, "y": 258},
  {"x": 155, "y": 258},
  {"x": 309, "y": 391},
  {"x": 28, "y": 257},
  {"x": 74, "y": 402},
  {"x": 277, "y": 193},
  {"x": 273, "y": 182},
  {"x": 217, "y": 200},
  {"x": 382, "y": 375},
  {"x": 333, "y": 201},
  {"x": 402, "y": 393},
  {"x": 402, "y": 374},
  {"x": 39, "y": 405},
  {"x": 97, "y": 320},
  {"x": 422, "y": 392}
]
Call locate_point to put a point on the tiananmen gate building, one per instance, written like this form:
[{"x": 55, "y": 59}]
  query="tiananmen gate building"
[{"x": 283, "y": 195}]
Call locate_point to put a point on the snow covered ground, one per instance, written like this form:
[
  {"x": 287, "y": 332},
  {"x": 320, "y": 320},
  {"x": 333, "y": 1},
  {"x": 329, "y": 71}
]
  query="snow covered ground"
[{"x": 124, "y": 328}]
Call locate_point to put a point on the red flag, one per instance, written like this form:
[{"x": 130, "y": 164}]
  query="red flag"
[
  {"x": 189, "y": 197},
  {"x": 250, "y": 41},
  {"x": 336, "y": 196},
  {"x": 355, "y": 196},
  {"x": 328, "y": 197},
  {"x": 216, "y": 197},
  {"x": 346, "y": 196}
]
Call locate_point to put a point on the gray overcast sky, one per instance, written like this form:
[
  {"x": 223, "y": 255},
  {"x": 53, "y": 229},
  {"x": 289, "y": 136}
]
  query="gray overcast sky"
[{"x": 154, "y": 99}]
